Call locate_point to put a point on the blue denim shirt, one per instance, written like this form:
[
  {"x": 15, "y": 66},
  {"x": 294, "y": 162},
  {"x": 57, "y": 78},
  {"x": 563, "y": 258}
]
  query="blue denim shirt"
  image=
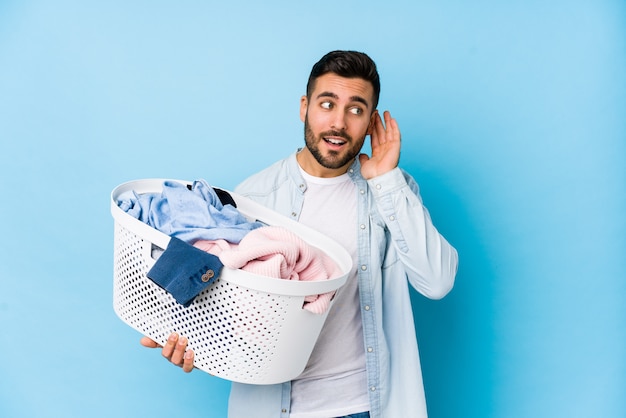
[{"x": 397, "y": 246}]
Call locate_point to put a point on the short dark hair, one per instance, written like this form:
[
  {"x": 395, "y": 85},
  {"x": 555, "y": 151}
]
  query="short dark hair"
[{"x": 349, "y": 64}]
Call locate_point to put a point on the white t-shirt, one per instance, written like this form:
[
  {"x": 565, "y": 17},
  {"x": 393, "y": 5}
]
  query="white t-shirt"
[{"x": 334, "y": 382}]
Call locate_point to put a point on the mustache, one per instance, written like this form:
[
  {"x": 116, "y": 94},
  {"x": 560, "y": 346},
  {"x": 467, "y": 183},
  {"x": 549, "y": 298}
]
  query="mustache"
[{"x": 340, "y": 134}]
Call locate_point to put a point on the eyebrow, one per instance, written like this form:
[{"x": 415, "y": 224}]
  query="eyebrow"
[{"x": 352, "y": 99}]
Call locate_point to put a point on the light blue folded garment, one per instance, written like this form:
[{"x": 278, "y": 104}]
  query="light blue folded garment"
[{"x": 188, "y": 215}]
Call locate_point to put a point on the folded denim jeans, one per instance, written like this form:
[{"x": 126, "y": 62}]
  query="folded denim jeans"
[{"x": 184, "y": 270}]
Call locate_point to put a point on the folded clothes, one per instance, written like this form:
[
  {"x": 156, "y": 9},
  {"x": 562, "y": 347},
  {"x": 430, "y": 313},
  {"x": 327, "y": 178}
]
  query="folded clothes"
[
  {"x": 274, "y": 251},
  {"x": 189, "y": 214}
]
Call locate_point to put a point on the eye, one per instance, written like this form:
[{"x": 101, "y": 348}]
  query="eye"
[
  {"x": 326, "y": 105},
  {"x": 356, "y": 110}
]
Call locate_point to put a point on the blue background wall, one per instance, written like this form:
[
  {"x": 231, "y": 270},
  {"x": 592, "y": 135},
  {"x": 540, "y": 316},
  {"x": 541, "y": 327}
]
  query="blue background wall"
[{"x": 512, "y": 116}]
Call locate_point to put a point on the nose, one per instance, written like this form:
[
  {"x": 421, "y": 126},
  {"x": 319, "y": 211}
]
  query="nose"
[{"x": 338, "y": 121}]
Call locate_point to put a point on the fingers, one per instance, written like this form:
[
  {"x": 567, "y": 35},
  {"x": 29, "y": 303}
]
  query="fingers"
[
  {"x": 384, "y": 132},
  {"x": 392, "y": 132},
  {"x": 188, "y": 361},
  {"x": 175, "y": 350},
  {"x": 395, "y": 129}
]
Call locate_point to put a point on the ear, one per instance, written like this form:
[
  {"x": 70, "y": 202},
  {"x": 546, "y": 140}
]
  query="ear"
[
  {"x": 304, "y": 103},
  {"x": 370, "y": 126}
]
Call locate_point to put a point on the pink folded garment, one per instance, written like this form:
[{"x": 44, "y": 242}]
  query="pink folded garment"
[{"x": 274, "y": 251}]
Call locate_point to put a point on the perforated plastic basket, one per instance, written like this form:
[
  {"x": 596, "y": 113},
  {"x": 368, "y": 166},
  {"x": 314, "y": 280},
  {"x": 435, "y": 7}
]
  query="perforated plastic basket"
[{"x": 244, "y": 327}]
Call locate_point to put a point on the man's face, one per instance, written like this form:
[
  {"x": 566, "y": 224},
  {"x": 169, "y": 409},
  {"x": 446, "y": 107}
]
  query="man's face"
[{"x": 336, "y": 120}]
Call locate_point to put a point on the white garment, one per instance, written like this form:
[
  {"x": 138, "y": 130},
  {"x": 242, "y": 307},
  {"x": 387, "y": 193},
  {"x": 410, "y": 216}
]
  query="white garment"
[{"x": 337, "y": 364}]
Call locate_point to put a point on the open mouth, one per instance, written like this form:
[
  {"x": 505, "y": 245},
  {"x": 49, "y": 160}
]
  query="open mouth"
[{"x": 335, "y": 141}]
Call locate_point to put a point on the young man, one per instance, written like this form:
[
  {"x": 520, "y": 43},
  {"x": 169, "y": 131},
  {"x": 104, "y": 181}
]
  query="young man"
[{"x": 366, "y": 362}]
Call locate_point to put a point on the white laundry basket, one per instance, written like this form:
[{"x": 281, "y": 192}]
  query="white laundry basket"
[{"x": 244, "y": 327}]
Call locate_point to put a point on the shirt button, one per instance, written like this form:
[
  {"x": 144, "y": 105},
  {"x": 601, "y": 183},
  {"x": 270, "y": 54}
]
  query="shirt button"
[
  {"x": 362, "y": 226},
  {"x": 293, "y": 214},
  {"x": 363, "y": 267},
  {"x": 362, "y": 191},
  {"x": 301, "y": 186},
  {"x": 370, "y": 349},
  {"x": 378, "y": 187},
  {"x": 373, "y": 388},
  {"x": 283, "y": 410},
  {"x": 366, "y": 307},
  {"x": 392, "y": 218}
]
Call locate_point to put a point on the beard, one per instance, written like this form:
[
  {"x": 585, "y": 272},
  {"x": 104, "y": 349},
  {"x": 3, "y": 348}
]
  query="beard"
[{"x": 334, "y": 159}]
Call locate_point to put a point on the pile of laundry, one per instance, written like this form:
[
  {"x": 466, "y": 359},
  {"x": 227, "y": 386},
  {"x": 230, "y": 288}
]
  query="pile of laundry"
[{"x": 208, "y": 232}]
